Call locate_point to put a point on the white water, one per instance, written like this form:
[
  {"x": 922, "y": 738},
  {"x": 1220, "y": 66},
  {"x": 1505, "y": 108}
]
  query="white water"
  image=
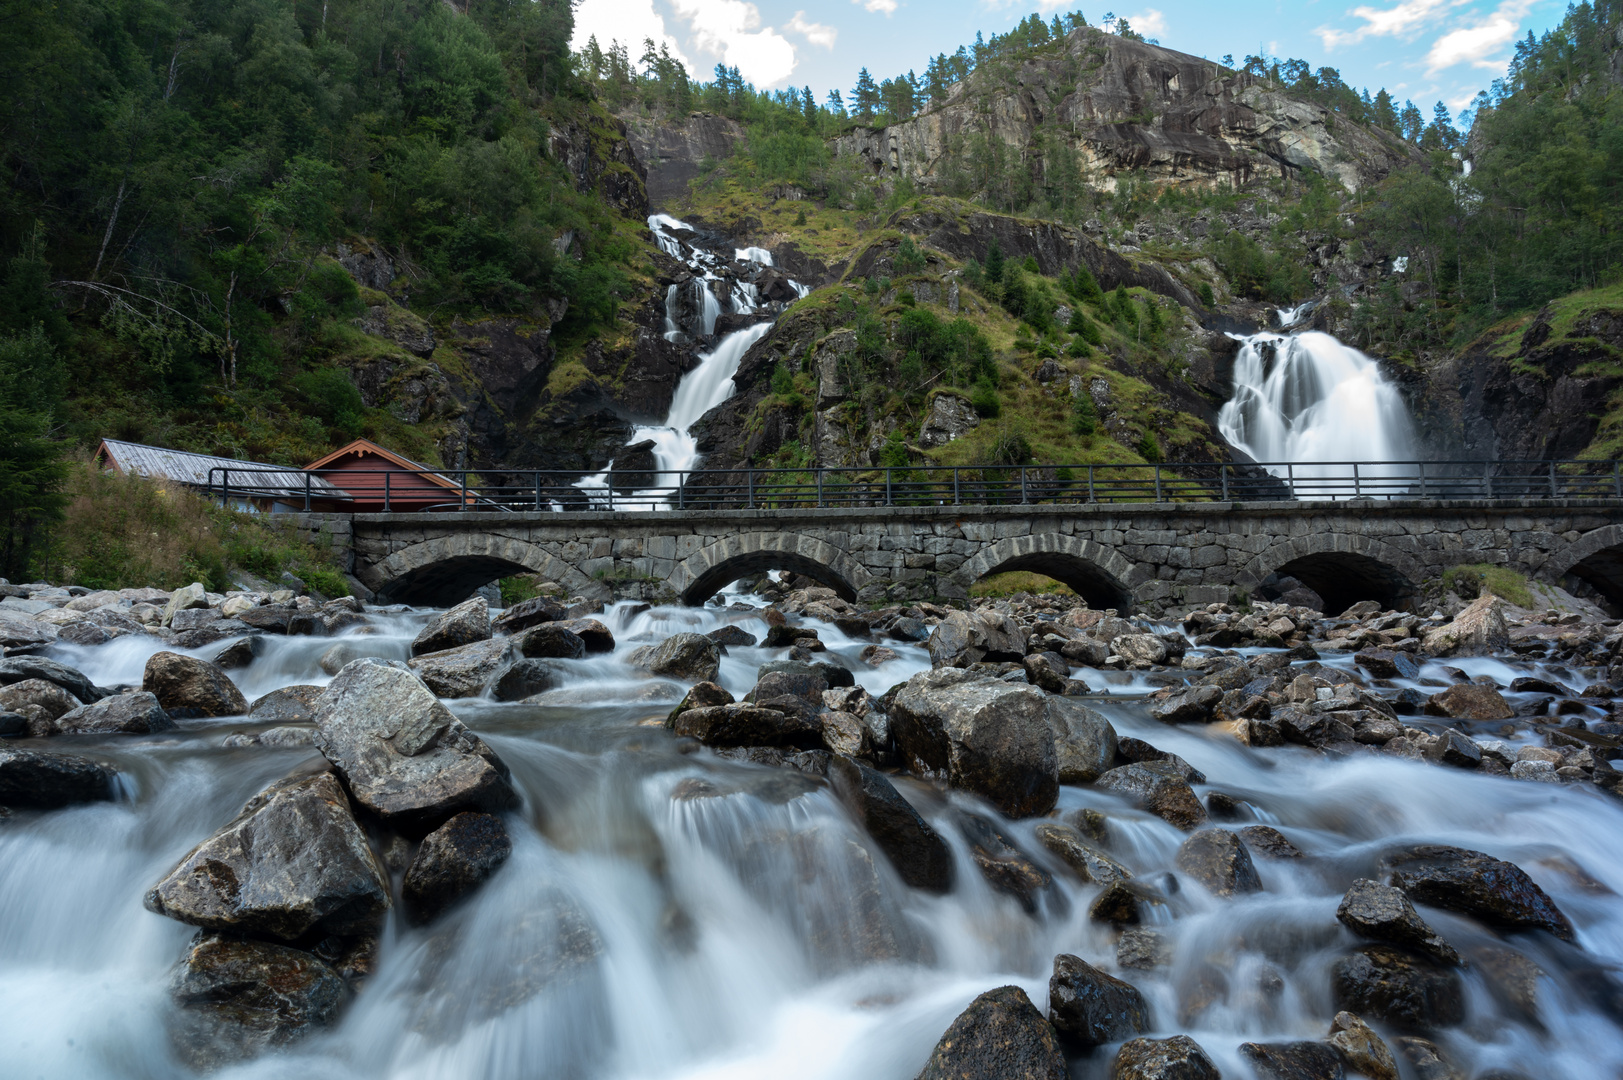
[
  {"x": 1306, "y": 398},
  {"x": 733, "y": 932}
]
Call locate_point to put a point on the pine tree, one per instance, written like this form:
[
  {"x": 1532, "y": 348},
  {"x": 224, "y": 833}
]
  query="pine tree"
[
  {"x": 1384, "y": 112},
  {"x": 836, "y": 103},
  {"x": 808, "y": 106},
  {"x": 865, "y": 100},
  {"x": 994, "y": 263}
]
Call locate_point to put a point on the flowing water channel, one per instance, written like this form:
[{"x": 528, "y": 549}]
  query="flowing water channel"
[{"x": 679, "y": 915}]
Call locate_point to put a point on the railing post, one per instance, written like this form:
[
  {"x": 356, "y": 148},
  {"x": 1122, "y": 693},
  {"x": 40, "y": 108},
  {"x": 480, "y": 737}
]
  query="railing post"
[
  {"x": 1158, "y": 483},
  {"x": 749, "y": 484},
  {"x": 225, "y": 490},
  {"x": 1487, "y": 480},
  {"x": 1617, "y": 479},
  {"x": 1023, "y": 499},
  {"x": 1290, "y": 479},
  {"x": 681, "y": 491},
  {"x": 819, "y": 488},
  {"x": 1358, "y": 490},
  {"x": 1090, "y": 485},
  {"x": 386, "y": 476},
  {"x": 538, "y": 491},
  {"x": 610, "y": 488},
  {"x": 955, "y": 496},
  {"x": 888, "y": 501},
  {"x": 306, "y": 493},
  {"x": 1552, "y": 480},
  {"x": 464, "y": 506},
  {"x": 1422, "y": 479},
  {"x": 1223, "y": 472}
]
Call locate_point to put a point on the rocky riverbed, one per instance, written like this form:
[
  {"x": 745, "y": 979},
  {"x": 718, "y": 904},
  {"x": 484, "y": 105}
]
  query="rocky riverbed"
[{"x": 781, "y": 834}]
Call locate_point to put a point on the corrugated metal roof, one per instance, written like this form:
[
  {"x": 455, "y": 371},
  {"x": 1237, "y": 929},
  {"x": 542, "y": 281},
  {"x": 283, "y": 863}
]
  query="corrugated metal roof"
[{"x": 244, "y": 477}]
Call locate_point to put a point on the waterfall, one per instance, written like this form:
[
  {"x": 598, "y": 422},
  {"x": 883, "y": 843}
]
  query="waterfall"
[{"x": 1307, "y": 398}]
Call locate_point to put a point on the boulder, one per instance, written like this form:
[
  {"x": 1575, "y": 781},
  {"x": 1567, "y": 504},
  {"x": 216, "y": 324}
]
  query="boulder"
[
  {"x": 524, "y": 679},
  {"x": 1089, "y": 1008},
  {"x": 920, "y": 855},
  {"x": 291, "y": 862},
  {"x": 134, "y": 713},
  {"x": 1428, "y": 1062},
  {"x": 692, "y": 657},
  {"x": 1084, "y": 741},
  {"x": 699, "y": 696},
  {"x": 454, "y": 859},
  {"x": 191, "y": 598},
  {"x": 1497, "y": 892},
  {"x": 1218, "y": 860},
  {"x": 30, "y": 779},
  {"x": 269, "y": 619},
  {"x": 845, "y": 734},
  {"x": 186, "y": 686},
  {"x": 745, "y": 724},
  {"x": 242, "y": 998},
  {"x": 1399, "y": 987},
  {"x": 1090, "y": 863},
  {"x": 19, "y": 631},
  {"x": 1143, "y": 949},
  {"x": 963, "y": 638},
  {"x": 1139, "y": 650},
  {"x": 1048, "y": 670},
  {"x": 834, "y": 675},
  {"x": 1192, "y": 706},
  {"x": 1160, "y": 788},
  {"x": 1388, "y": 664},
  {"x": 1269, "y": 842},
  {"x": 1382, "y": 913},
  {"x": 240, "y": 653},
  {"x": 289, "y": 705},
  {"x": 1177, "y": 1058},
  {"x": 1456, "y": 749},
  {"x": 1294, "y": 1061},
  {"x": 1002, "y": 1035},
  {"x": 36, "y": 697},
  {"x": 949, "y": 417},
  {"x": 1468, "y": 701},
  {"x": 1361, "y": 1048},
  {"x": 528, "y": 613},
  {"x": 464, "y": 624},
  {"x": 467, "y": 670},
  {"x": 593, "y": 633},
  {"x": 15, "y": 669},
  {"x": 1479, "y": 630},
  {"x": 809, "y": 687},
  {"x": 1006, "y": 868},
  {"x": 551, "y": 641},
  {"x": 1123, "y": 903},
  {"x": 402, "y": 753},
  {"x": 733, "y": 634},
  {"x": 276, "y": 738},
  {"x": 981, "y": 735}
]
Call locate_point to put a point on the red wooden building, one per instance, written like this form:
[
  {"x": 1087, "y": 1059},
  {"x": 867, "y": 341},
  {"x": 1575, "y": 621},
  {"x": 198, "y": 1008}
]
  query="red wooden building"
[{"x": 379, "y": 480}]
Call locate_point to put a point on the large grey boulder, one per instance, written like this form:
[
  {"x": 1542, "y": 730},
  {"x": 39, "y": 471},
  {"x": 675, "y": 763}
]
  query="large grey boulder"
[
  {"x": 969, "y": 637},
  {"x": 289, "y": 705},
  {"x": 1083, "y": 740},
  {"x": 551, "y": 641},
  {"x": 467, "y": 670},
  {"x": 454, "y": 859},
  {"x": 693, "y": 657},
  {"x": 1177, "y": 1058},
  {"x": 42, "y": 702},
  {"x": 1497, "y": 892},
  {"x": 15, "y": 669},
  {"x": 292, "y": 861},
  {"x": 464, "y": 624},
  {"x": 403, "y": 754},
  {"x": 1479, "y": 630},
  {"x": 982, "y": 735},
  {"x": 134, "y": 713},
  {"x": 1000, "y": 1035},
  {"x": 528, "y": 613},
  {"x": 30, "y": 779},
  {"x": 1218, "y": 859},
  {"x": 745, "y": 724},
  {"x": 1159, "y": 787},
  {"x": 1089, "y": 1008},
  {"x": 191, "y": 598},
  {"x": 19, "y": 631},
  {"x": 186, "y": 686},
  {"x": 239, "y": 999},
  {"x": 1383, "y": 913},
  {"x": 920, "y": 855}
]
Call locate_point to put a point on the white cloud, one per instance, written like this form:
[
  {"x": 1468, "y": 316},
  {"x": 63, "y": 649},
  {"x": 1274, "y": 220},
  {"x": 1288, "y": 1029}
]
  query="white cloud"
[
  {"x": 629, "y": 21},
  {"x": 730, "y": 29},
  {"x": 816, "y": 33},
  {"x": 878, "y": 7},
  {"x": 1472, "y": 44},
  {"x": 1149, "y": 22},
  {"x": 1404, "y": 20}
]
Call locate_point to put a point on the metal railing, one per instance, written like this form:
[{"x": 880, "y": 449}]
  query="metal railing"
[{"x": 517, "y": 491}]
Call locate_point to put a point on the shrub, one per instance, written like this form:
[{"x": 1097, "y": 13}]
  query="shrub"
[
  {"x": 985, "y": 399},
  {"x": 994, "y": 263},
  {"x": 893, "y": 453},
  {"x": 1009, "y": 447},
  {"x": 333, "y": 397},
  {"x": 1149, "y": 449},
  {"x": 909, "y": 259},
  {"x": 783, "y": 383},
  {"x": 800, "y": 218},
  {"x": 1084, "y": 417},
  {"x": 1206, "y": 297}
]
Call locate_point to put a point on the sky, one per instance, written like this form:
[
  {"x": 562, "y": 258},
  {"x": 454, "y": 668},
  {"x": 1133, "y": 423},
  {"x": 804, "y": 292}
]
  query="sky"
[{"x": 1420, "y": 50}]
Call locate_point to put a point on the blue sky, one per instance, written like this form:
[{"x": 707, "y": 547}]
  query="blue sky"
[{"x": 1424, "y": 50}]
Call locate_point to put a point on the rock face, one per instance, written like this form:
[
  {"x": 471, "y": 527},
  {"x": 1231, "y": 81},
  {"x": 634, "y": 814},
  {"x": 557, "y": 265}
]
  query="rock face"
[
  {"x": 185, "y": 686},
  {"x": 1399, "y": 987},
  {"x": 675, "y": 152},
  {"x": 1088, "y": 1007},
  {"x": 464, "y": 624},
  {"x": 985, "y": 736},
  {"x": 1219, "y": 860},
  {"x": 950, "y": 416},
  {"x": 1177, "y": 1058},
  {"x": 135, "y": 713},
  {"x": 467, "y": 670},
  {"x": 1497, "y": 892},
  {"x": 454, "y": 859},
  {"x": 1000, "y": 1035},
  {"x": 38, "y": 781},
  {"x": 289, "y": 705},
  {"x": 241, "y": 998},
  {"x": 921, "y": 857},
  {"x": 294, "y": 860},
  {"x": 1160, "y": 787},
  {"x": 402, "y": 753},
  {"x": 1382, "y": 913}
]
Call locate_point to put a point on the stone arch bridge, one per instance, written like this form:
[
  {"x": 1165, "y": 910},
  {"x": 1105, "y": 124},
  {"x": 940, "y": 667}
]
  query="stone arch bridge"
[{"x": 1140, "y": 556}]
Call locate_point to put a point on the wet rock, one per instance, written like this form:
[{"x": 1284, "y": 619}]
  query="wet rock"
[
  {"x": 454, "y": 859},
  {"x": 551, "y": 641},
  {"x": 1192, "y": 706},
  {"x": 1000, "y": 1035},
  {"x": 918, "y": 852},
  {"x": 1398, "y": 987},
  {"x": 1479, "y": 630},
  {"x": 1143, "y": 949},
  {"x": 464, "y": 624},
  {"x": 528, "y": 613},
  {"x": 1160, "y": 788},
  {"x": 750, "y": 725},
  {"x": 403, "y": 754},
  {"x": 1497, "y": 892},
  {"x": 1361, "y": 1048},
  {"x": 467, "y": 670},
  {"x": 276, "y": 738},
  {"x": 1537, "y": 771},
  {"x": 1382, "y": 913},
  {"x": 269, "y": 619},
  {"x": 1123, "y": 903},
  {"x": 1001, "y": 862},
  {"x": 1177, "y": 1058},
  {"x": 1468, "y": 701},
  {"x": 12, "y": 724},
  {"x": 525, "y": 678},
  {"x": 1132, "y": 750},
  {"x": 681, "y": 656},
  {"x": 699, "y": 696},
  {"x": 981, "y": 735},
  {"x": 732, "y": 634},
  {"x": 1090, "y": 863},
  {"x": 33, "y": 780},
  {"x": 1269, "y": 842},
  {"x": 135, "y": 713},
  {"x": 832, "y": 674},
  {"x": 193, "y": 597},
  {"x": 290, "y": 704},
  {"x": 597, "y": 637},
  {"x": 16, "y": 669},
  {"x": 1388, "y": 664},
  {"x": 845, "y": 734},
  {"x": 240, "y": 653},
  {"x": 242, "y": 998},
  {"x": 1083, "y": 740},
  {"x": 1139, "y": 650},
  {"x": 45, "y": 701},
  {"x": 292, "y": 861},
  {"x": 1512, "y": 978},
  {"x": 1218, "y": 860},
  {"x": 971, "y": 637},
  {"x": 807, "y": 686},
  {"x": 185, "y": 686},
  {"x": 1088, "y": 1007},
  {"x": 1427, "y": 1062},
  {"x": 1048, "y": 670},
  {"x": 1294, "y": 1061},
  {"x": 346, "y": 652},
  {"x": 306, "y": 624},
  {"x": 1454, "y": 748},
  {"x": 876, "y": 655}
]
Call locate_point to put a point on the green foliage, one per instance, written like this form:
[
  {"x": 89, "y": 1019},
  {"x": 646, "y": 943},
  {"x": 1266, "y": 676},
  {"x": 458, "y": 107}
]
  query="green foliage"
[
  {"x": 994, "y": 263},
  {"x": 1081, "y": 285},
  {"x": 1009, "y": 447},
  {"x": 893, "y": 453},
  {"x": 334, "y": 398},
  {"x": 516, "y": 590},
  {"x": 1258, "y": 273},
  {"x": 1084, "y": 416},
  {"x": 959, "y": 348},
  {"x": 1482, "y": 579},
  {"x": 32, "y": 471},
  {"x": 1206, "y": 297},
  {"x": 985, "y": 399},
  {"x": 909, "y": 259},
  {"x": 783, "y": 382},
  {"x": 1150, "y": 449},
  {"x": 800, "y": 218}
]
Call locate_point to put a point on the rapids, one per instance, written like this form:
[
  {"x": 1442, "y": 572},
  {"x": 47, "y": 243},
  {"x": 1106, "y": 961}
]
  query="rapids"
[{"x": 649, "y": 927}]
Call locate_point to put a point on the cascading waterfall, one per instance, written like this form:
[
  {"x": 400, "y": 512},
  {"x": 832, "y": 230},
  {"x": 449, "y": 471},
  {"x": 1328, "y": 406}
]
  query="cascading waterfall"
[{"x": 1306, "y": 398}]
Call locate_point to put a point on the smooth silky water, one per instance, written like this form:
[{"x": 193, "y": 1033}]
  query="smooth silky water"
[{"x": 649, "y": 926}]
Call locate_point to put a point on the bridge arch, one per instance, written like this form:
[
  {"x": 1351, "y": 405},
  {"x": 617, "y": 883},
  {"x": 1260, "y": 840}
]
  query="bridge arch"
[
  {"x": 706, "y": 572},
  {"x": 447, "y": 569},
  {"x": 1099, "y": 575},
  {"x": 1595, "y": 558},
  {"x": 1343, "y": 568}
]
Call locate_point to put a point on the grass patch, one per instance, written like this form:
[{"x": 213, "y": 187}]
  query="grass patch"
[
  {"x": 1019, "y": 581},
  {"x": 1488, "y": 579}
]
